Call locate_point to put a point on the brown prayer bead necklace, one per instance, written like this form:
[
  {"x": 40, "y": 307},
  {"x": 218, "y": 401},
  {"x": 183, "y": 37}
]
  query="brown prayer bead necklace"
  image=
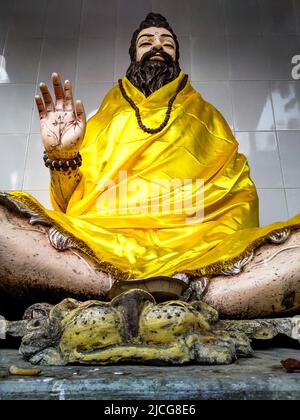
[{"x": 168, "y": 113}]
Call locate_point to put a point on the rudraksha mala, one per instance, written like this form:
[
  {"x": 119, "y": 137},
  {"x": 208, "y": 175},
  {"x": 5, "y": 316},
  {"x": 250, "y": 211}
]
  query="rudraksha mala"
[
  {"x": 137, "y": 111},
  {"x": 62, "y": 164}
]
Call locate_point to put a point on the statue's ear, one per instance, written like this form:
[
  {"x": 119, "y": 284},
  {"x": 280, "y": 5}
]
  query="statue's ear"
[
  {"x": 37, "y": 311},
  {"x": 61, "y": 310}
]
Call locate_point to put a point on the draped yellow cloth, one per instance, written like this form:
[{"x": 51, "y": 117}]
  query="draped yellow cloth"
[{"x": 196, "y": 144}]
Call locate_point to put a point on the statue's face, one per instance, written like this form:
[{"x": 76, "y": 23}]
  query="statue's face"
[{"x": 155, "y": 39}]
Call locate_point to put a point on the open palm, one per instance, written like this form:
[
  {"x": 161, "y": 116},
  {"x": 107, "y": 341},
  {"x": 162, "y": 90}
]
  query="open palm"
[{"x": 63, "y": 124}]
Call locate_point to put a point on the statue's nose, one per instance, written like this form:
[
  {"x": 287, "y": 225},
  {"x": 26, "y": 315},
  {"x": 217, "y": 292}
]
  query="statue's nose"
[{"x": 157, "y": 46}]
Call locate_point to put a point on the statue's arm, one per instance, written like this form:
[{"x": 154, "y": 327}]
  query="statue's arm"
[
  {"x": 63, "y": 125},
  {"x": 63, "y": 184}
]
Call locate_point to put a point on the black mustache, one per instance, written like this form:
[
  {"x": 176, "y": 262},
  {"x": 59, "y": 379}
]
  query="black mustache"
[{"x": 152, "y": 53}]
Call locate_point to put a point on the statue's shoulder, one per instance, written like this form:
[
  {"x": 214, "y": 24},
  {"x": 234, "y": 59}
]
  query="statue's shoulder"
[
  {"x": 112, "y": 97},
  {"x": 210, "y": 116},
  {"x": 109, "y": 105}
]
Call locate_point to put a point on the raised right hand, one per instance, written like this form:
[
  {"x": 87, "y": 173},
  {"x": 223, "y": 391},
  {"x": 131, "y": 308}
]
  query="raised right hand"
[{"x": 62, "y": 124}]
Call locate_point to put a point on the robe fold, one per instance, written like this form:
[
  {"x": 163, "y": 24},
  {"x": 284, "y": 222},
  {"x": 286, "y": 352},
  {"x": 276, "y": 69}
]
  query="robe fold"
[{"x": 122, "y": 212}]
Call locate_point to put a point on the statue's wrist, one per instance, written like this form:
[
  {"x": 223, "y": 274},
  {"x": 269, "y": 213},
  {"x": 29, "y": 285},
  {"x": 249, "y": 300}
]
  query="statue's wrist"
[{"x": 65, "y": 155}]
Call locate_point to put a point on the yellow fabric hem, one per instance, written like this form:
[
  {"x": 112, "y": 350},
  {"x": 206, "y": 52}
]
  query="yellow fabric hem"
[
  {"x": 217, "y": 267},
  {"x": 81, "y": 245},
  {"x": 213, "y": 269}
]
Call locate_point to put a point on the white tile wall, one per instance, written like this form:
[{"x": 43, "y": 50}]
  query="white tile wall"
[
  {"x": 293, "y": 200},
  {"x": 209, "y": 58},
  {"x": 28, "y": 18},
  {"x": 58, "y": 55},
  {"x": 286, "y": 102},
  {"x": 35, "y": 165},
  {"x": 281, "y": 49},
  {"x": 237, "y": 52},
  {"x": 248, "y": 59},
  {"x": 273, "y": 206},
  {"x": 289, "y": 146},
  {"x": 122, "y": 59},
  {"x": 96, "y": 59},
  {"x": 15, "y": 108},
  {"x": 263, "y": 155},
  {"x": 242, "y": 17},
  {"x": 297, "y": 10},
  {"x": 185, "y": 53},
  {"x": 22, "y": 57},
  {"x": 218, "y": 94},
  {"x": 99, "y": 18},
  {"x": 92, "y": 95},
  {"x": 252, "y": 106},
  {"x": 5, "y": 16},
  {"x": 206, "y": 17},
  {"x": 14, "y": 148},
  {"x": 58, "y": 13},
  {"x": 129, "y": 17},
  {"x": 2, "y": 41},
  {"x": 176, "y": 11},
  {"x": 278, "y": 16}
]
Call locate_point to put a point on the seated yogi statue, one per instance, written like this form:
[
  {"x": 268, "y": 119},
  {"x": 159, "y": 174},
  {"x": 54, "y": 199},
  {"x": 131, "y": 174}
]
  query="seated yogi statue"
[{"x": 151, "y": 191}]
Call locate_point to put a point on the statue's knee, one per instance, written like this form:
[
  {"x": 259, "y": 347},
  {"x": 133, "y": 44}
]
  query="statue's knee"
[
  {"x": 6, "y": 215},
  {"x": 2, "y": 213}
]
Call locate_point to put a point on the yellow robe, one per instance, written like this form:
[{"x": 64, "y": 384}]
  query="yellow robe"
[{"x": 196, "y": 144}]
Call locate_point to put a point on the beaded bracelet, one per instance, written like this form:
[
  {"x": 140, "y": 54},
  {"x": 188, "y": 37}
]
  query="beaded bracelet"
[{"x": 62, "y": 164}]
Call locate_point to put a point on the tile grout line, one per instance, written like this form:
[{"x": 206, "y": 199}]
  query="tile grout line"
[
  {"x": 297, "y": 18},
  {"x": 189, "y": 40},
  {"x": 228, "y": 82},
  {"x": 116, "y": 42},
  {"x": 279, "y": 151},
  {"x": 78, "y": 49},
  {"x": 260, "y": 14},
  {"x": 35, "y": 91},
  {"x": 282, "y": 173},
  {"x": 6, "y": 36}
]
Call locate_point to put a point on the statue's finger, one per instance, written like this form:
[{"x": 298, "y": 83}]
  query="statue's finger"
[
  {"x": 47, "y": 97},
  {"x": 68, "y": 96},
  {"x": 80, "y": 112},
  {"x": 58, "y": 90},
  {"x": 198, "y": 291},
  {"x": 40, "y": 106},
  {"x": 187, "y": 294}
]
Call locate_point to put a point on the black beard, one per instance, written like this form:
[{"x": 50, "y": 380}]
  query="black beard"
[{"x": 150, "y": 75}]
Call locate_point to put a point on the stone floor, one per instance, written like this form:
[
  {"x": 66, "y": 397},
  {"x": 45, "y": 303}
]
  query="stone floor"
[{"x": 259, "y": 377}]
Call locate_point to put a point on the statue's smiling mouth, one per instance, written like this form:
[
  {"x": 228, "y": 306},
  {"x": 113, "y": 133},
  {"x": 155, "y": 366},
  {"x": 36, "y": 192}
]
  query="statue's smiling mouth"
[{"x": 157, "y": 55}]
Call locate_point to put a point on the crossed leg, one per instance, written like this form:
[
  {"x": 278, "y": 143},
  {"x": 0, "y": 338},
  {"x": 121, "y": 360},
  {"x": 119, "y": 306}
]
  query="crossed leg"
[
  {"x": 31, "y": 270},
  {"x": 268, "y": 285}
]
